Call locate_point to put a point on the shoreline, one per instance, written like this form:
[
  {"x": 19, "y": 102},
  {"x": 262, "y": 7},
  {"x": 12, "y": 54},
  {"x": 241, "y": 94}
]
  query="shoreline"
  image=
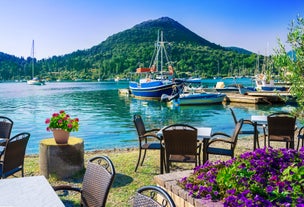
[{"x": 243, "y": 144}]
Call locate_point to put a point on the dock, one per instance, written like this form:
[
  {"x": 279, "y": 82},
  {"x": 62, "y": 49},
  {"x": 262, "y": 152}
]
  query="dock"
[
  {"x": 255, "y": 97},
  {"x": 259, "y": 97}
]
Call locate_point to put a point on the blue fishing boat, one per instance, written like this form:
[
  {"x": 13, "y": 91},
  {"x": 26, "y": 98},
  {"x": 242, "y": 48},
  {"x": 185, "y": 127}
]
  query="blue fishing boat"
[
  {"x": 263, "y": 83},
  {"x": 155, "y": 81}
]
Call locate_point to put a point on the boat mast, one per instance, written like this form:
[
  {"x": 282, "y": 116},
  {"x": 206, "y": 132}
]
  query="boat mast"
[
  {"x": 159, "y": 53},
  {"x": 32, "y": 54},
  {"x": 162, "y": 46}
]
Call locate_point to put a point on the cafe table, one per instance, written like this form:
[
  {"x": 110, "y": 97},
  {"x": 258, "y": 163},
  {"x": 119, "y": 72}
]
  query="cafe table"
[
  {"x": 34, "y": 191},
  {"x": 203, "y": 135},
  {"x": 257, "y": 120}
]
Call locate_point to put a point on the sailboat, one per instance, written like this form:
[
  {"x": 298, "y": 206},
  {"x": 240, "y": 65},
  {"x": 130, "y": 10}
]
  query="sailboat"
[
  {"x": 155, "y": 81},
  {"x": 34, "y": 80}
]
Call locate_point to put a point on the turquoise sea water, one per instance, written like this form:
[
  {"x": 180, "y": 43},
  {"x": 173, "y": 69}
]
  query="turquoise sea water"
[{"x": 105, "y": 116}]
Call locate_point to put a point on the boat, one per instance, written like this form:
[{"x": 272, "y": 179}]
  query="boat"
[
  {"x": 193, "y": 96},
  {"x": 193, "y": 80},
  {"x": 35, "y": 80},
  {"x": 197, "y": 99},
  {"x": 155, "y": 81},
  {"x": 231, "y": 88},
  {"x": 263, "y": 83}
]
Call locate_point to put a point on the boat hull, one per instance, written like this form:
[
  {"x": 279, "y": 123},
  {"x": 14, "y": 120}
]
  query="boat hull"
[
  {"x": 35, "y": 82},
  {"x": 153, "y": 91},
  {"x": 274, "y": 88},
  {"x": 198, "y": 99}
]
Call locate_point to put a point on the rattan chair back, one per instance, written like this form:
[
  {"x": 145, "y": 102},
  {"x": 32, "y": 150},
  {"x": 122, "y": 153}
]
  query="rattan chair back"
[
  {"x": 281, "y": 128},
  {"x": 6, "y": 125},
  {"x": 139, "y": 125},
  {"x": 300, "y": 137},
  {"x": 220, "y": 137},
  {"x": 97, "y": 181},
  {"x": 236, "y": 132},
  {"x": 181, "y": 144},
  {"x": 13, "y": 156},
  {"x": 152, "y": 196}
]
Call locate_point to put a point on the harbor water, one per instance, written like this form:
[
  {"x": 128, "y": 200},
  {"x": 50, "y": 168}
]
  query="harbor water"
[{"x": 105, "y": 115}]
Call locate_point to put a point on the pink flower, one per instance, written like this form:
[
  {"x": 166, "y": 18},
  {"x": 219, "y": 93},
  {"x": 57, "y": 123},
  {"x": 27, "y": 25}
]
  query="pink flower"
[
  {"x": 48, "y": 120},
  {"x": 76, "y": 119},
  {"x": 48, "y": 129},
  {"x": 63, "y": 121}
]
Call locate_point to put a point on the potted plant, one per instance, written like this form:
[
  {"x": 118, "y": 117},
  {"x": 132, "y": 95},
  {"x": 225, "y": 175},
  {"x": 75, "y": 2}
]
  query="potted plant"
[{"x": 61, "y": 124}]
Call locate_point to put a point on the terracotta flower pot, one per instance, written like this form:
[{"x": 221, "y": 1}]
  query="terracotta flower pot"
[{"x": 61, "y": 136}]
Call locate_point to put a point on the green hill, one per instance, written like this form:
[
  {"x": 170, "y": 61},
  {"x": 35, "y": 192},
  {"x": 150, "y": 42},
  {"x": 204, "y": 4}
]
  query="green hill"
[{"x": 121, "y": 53}]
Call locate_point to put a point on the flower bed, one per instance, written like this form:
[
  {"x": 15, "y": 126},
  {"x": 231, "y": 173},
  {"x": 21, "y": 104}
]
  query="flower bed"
[{"x": 265, "y": 177}]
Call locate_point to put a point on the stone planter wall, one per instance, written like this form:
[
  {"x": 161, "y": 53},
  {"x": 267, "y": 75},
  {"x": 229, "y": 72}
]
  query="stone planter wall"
[{"x": 180, "y": 196}]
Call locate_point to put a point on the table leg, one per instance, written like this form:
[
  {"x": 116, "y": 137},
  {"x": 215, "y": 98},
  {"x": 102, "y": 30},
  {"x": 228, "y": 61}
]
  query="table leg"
[
  {"x": 255, "y": 136},
  {"x": 161, "y": 160},
  {"x": 205, "y": 142},
  {"x": 292, "y": 144}
]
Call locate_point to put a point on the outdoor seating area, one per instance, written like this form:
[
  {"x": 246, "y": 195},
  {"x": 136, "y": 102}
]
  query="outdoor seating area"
[
  {"x": 184, "y": 144},
  {"x": 177, "y": 143}
]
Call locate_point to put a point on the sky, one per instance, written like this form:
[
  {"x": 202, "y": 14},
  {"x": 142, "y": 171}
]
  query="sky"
[{"x": 60, "y": 27}]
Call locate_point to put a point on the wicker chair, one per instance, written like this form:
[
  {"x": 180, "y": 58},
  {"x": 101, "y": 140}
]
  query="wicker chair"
[
  {"x": 281, "y": 128},
  {"x": 300, "y": 137},
  {"x": 181, "y": 145},
  {"x": 13, "y": 155},
  {"x": 147, "y": 139},
  {"x": 6, "y": 125},
  {"x": 97, "y": 181},
  {"x": 250, "y": 123},
  {"x": 220, "y": 137},
  {"x": 152, "y": 196}
]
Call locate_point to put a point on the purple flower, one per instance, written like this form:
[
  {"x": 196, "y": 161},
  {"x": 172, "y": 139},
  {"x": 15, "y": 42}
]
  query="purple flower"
[
  {"x": 264, "y": 177},
  {"x": 269, "y": 189}
]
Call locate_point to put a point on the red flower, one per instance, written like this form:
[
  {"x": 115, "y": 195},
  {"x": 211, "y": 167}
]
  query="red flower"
[{"x": 48, "y": 120}]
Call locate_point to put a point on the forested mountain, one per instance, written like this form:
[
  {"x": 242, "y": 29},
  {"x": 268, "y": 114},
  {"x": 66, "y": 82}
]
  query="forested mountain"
[{"x": 121, "y": 53}]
